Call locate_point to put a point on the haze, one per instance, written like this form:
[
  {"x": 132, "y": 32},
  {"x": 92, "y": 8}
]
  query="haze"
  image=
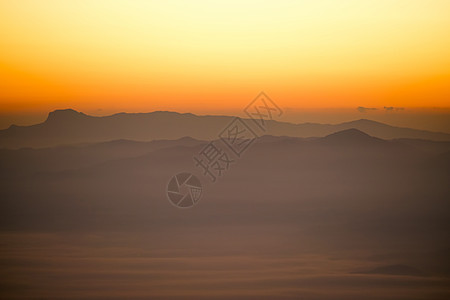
[{"x": 216, "y": 150}]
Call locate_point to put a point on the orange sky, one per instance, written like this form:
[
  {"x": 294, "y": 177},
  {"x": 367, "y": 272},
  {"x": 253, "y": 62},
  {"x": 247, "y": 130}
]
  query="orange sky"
[{"x": 218, "y": 55}]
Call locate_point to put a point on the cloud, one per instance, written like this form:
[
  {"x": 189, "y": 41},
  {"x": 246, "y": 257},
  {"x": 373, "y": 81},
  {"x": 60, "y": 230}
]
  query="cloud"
[
  {"x": 362, "y": 109},
  {"x": 392, "y": 108}
]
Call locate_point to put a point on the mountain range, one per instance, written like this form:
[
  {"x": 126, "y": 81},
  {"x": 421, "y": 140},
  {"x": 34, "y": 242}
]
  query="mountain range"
[{"x": 69, "y": 126}]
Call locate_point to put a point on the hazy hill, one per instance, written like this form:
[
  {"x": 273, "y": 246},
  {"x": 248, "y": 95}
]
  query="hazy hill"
[
  {"x": 25, "y": 161},
  {"x": 69, "y": 126},
  {"x": 348, "y": 172},
  {"x": 291, "y": 212},
  {"x": 19, "y": 162}
]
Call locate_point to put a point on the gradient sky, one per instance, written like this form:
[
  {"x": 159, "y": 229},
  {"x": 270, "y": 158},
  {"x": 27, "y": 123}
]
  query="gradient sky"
[{"x": 217, "y": 55}]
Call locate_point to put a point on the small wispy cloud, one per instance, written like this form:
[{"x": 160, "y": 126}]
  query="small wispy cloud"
[
  {"x": 392, "y": 108},
  {"x": 363, "y": 109}
]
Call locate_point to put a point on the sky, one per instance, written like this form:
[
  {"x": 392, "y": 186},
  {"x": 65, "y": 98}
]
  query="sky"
[{"x": 103, "y": 56}]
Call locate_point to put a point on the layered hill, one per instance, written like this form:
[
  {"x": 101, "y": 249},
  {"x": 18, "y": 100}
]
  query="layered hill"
[{"x": 69, "y": 127}]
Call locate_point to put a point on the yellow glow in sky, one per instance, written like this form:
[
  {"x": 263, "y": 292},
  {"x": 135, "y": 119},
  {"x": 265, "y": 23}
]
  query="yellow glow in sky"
[{"x": 182, "y": 55}]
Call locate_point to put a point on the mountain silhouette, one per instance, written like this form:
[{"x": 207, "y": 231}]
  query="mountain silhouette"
[
  {"x": 66, "y": 115},
  {"x": 29, "y": 160},
  {"x": 352, "y": 136},
  {"x": 69, "y": 126}
]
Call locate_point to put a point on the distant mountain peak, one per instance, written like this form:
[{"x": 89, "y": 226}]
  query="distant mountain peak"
[
  {"x": 350, "y": 136},
  {"x": 64, "y": 115},
  {"x": 349, "y": 133},
  {"x": 365, "y": 122}
]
